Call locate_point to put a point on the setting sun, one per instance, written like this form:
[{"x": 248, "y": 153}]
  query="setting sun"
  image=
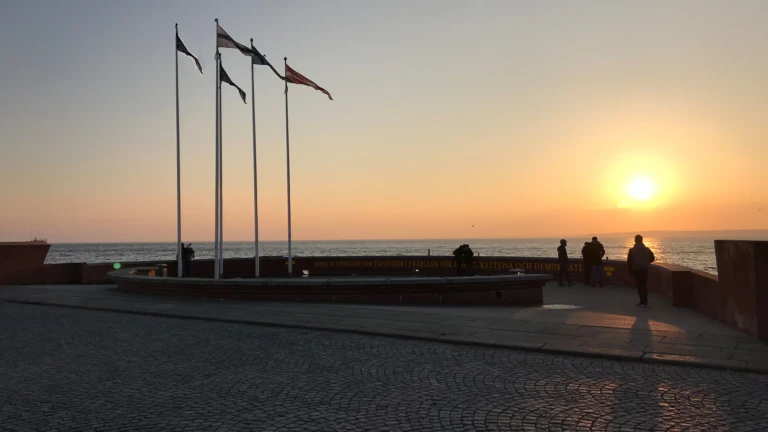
[{"x": 641, "y": 189}]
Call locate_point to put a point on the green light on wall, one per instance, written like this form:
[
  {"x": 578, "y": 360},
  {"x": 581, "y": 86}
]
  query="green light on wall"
[{"x": 116, "y": 266}]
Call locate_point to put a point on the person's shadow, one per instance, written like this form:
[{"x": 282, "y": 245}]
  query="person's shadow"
[{"x": 639, "y": 388}]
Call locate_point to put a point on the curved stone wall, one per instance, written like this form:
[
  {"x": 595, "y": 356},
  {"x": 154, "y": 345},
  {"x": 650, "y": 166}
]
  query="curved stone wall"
[{"x": 488, "y": 290}]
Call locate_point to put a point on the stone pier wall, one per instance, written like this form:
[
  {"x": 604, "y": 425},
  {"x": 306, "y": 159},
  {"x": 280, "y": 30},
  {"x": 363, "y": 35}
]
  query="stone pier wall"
[{"x": 742, "y": 297}]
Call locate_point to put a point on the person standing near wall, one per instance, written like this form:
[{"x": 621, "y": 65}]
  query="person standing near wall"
[
  {"x": 469, "y": 259},
  {"x": 586, "y": 265},
  {"x": 191, "y": 257},
  {"x": 458, "y": 259},
  {"x": 639, "y": 260},
  {"x": 183, "y": 260},
  {"x": 598, "y": 252},
  {"x": 187, "y": 255},
  {"x": 562, "y": 261}
]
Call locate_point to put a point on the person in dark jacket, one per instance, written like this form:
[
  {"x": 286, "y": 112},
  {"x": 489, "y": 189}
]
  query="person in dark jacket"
[
  {"x": 562, "y": 261},
  {"x": 187, "y": 255},
  {"x": 639, "y": 260},
  {"x": 458, "y": 259},
  {"x": 469, "y": 259},
  {"x": 183, "y": 260},
  {"x": 598, "y": 252},
  {"x": 586, "y": 255}
]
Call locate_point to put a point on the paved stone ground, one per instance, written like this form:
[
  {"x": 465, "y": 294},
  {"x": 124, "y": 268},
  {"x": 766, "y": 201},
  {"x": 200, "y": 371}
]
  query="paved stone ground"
[
  {"x": 71, "y": 369},
  {"x": 594, "y": 322}
]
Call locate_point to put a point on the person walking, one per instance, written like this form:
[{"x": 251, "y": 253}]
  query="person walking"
[
  {"x": 586, "y": 266},
  {"x": 562, "y": 261},
  {"x": 598, "y": 252},
  {"x": 639, "y": 259}
]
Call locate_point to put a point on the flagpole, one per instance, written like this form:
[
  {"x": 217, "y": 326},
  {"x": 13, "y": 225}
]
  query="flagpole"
[
  {"x": 221, "y": 185},
  {"x": 288, "y": 173},
  {"x": 255, "y": 178},
  {"x": 216, "y": 229},
  {"x": 178, "y": 165}
]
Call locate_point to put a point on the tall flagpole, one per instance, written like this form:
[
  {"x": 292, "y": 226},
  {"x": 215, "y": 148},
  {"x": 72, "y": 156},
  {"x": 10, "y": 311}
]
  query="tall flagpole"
[
  {"x": 221, "y": 186},
  {"x": 216, "y": 229},
  {"x": 288, "y": 172},
  {"x": 255, "y": 182},
  {"x": 178, "y": 165}
]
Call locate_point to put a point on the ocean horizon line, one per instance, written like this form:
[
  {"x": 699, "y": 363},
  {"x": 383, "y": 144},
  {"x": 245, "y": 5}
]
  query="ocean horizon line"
[{"x": 613, "y": 235}]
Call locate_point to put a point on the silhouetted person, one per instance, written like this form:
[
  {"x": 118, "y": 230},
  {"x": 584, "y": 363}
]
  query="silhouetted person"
[
  {"x": 458, "y": 258},
  {"x": 187, "y": 255},
  {"x": 464, "y": 259},
  {"x": 639, "y": 260},
  {"x": 469, "y": 259},
  {"x": 598, "y": 252},
  {"x": 562, "y": 260},
  {"x": 586, "y": 254}
]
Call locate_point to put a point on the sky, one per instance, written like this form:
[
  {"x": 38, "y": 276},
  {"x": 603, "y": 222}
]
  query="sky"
[{"x": 450, "y": 119}]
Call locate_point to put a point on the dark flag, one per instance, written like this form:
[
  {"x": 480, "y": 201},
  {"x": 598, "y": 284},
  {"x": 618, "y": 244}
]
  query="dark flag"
[
  {"x": 183, "y": 49},
  {"x": 259, "y": 59},
  {"x": 296, "y": 78},
  {"x": 225, "y": 78},
  {"x": 224, "y": 40}
]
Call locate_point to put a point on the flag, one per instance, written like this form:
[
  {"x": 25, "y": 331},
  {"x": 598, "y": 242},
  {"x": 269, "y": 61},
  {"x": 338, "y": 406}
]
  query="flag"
[
  {"x": 225, "y": 78},
  {"x": 296, "y": 78},
  {"x": 259, "y": 59},
  {"x": 224, "y": 40},
  {"x": 183, "y": 49}
]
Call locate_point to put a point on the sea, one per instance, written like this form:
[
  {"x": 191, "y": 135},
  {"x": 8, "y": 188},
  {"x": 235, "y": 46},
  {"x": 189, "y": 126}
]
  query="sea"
[{"x": 697, "y": 253}]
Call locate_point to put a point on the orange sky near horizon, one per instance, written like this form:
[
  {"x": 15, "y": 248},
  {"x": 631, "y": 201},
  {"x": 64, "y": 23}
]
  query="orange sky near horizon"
[{"x": 536, "y": 129}]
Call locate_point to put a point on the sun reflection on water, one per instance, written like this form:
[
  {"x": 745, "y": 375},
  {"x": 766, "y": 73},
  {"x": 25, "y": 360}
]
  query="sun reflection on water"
[{"x": 654, "y": 244}]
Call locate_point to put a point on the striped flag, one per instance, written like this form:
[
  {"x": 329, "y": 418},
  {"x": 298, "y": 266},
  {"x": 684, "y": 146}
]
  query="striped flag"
[
  {"x": 225, "y": 78},
  {"x": 224, "y": 40},
  {"x": 259, "y": 59},
  {"x": 294, "y": 77},
  {"x": 183, "y": 49}
]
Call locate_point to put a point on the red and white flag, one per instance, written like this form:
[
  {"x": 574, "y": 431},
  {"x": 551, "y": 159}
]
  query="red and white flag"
[{"x": 294, "y": 77}]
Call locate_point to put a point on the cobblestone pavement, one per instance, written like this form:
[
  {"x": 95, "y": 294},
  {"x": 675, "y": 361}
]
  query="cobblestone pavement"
[
  {"x": 69, "y": 369},
  {"x": 601, "y": 322}
]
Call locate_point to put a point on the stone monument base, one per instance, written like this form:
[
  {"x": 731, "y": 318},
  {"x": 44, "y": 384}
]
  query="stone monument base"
[{"x": 470, "y": 290}]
